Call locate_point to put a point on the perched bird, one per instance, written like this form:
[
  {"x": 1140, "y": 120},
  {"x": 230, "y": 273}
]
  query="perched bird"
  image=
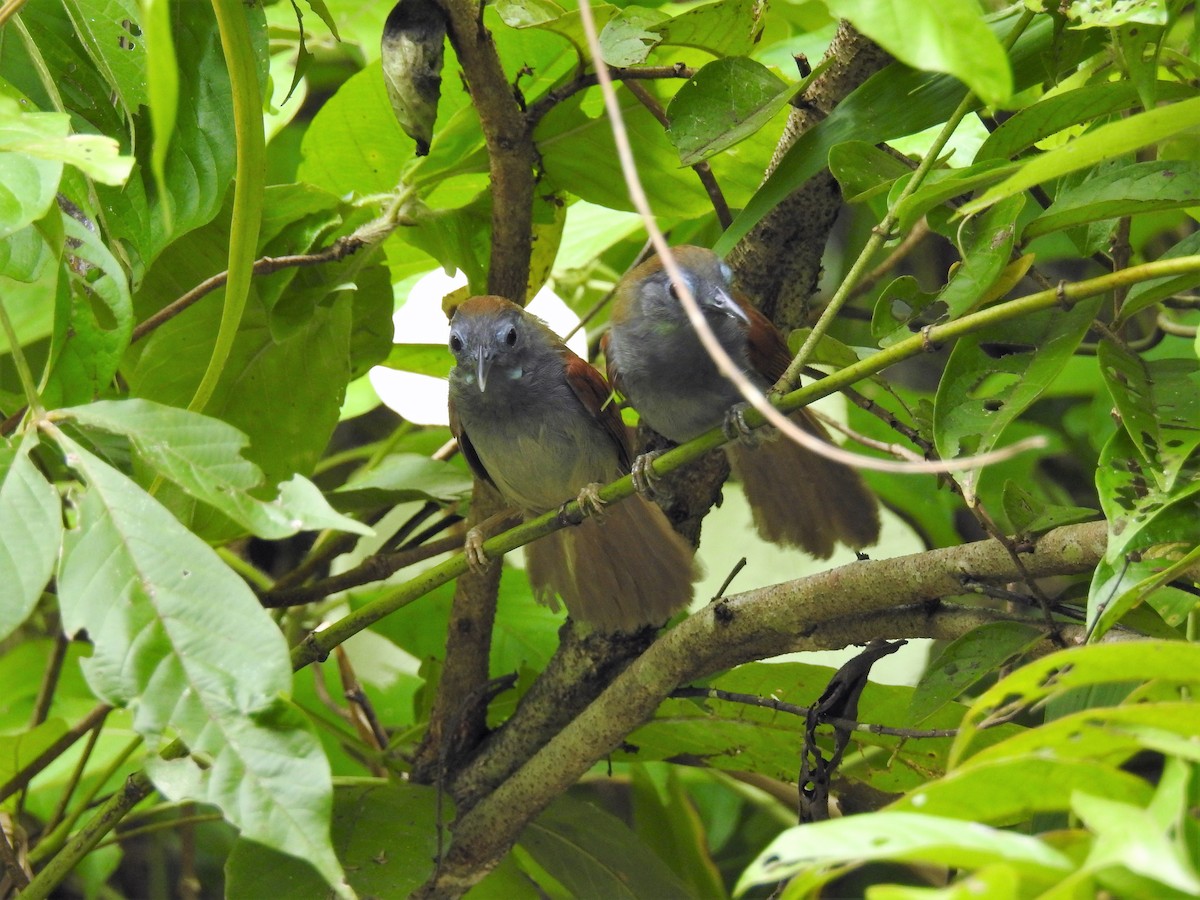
[
  {"x": 657, "y": 361},
  {"x": 535, "y": 420}
]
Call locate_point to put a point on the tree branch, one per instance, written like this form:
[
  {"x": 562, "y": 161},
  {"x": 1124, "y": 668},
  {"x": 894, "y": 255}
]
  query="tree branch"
[
  {"x": 509, "y": 140},
  {"x": 850, "y": 604}
]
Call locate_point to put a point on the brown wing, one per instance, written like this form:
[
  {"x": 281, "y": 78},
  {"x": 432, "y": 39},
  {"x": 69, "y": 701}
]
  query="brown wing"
[
  {"x": 610, "y": 366},
  {"x": 465, "y": 445},
  {"x": 594, "y": 393},
  {"x": 768, "y": 350}
]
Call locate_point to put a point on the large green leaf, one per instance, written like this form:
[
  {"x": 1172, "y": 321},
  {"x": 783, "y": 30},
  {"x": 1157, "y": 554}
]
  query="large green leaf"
[
  {"x": 385, "y": 833},
  {"x": 594, "y": 854},
  {"x": 725, "y": 102},
  {"x": 31, "y": 276},
  {"x": 895, "y": 102},
  {"x": 204, "y": 457},
  {"x": 27, "y": 183},
  {"x": 995, "y": 374},
  {"x": 1122, "y": 191},
  {"x": 1103, "y": 143},
  {"x": 110, "y": 32},
  {"x": 181, "y": 639},
  {"x": 1057, "y": 112},
  {"x": 92, "y": 324},
  {"x": 808, "y": 850},
  {"x": 1172, "y": 662},
  {"x": 936, "y": 35},
  {"x": 200, "y": 160},
  {"x": 1159, "y": 403},
  {"x": 968, "y": 660},
  {"x": 30, "y": 534}
]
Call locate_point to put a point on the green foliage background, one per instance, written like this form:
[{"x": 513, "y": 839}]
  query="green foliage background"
[{"x": 157, "y": 481}]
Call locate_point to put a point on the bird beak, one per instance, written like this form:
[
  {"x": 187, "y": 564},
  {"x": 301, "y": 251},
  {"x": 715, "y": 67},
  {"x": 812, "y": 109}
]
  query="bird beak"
[
  {"x": 722, "y": 302},
  {"x": 484, "y": 365}
]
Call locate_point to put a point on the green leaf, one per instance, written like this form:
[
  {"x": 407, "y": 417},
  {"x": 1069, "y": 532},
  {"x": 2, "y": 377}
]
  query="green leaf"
[
  {"x": 629, "y": 36},
  {"x": 424, "y": 359},
  {"x": 30, "y": 535},
  {"x": 1106, "y": 142},
  {"x": 200, "y": 160},
  {"x": 892, "y": 103},
  {"x": 1127, "y": 835},
  {"x": 1029, "y": 514},
  {"x": 46, "y": 137},
  {"x": 1107, "y": 734},
  {"x": 1057, "y": 112},
  {"x": 204, "y": 457},
  {"x": 403, "y": 478},
  {"x": 942, "y": 185},
  {"x": 1105, "y": 14},
  {"x": 967, "y": 660},
  {"x": 27, "y": 183},
  {"x": 1095, "y": 664},
  {"x": 863, "y": 170},
  {"x": 1121, "y": 584},
  {"x": 1124, "y": 191},
  {"x": 993, "y": 375},
  {"x": 385, "y": 834},
  {"x": 936, "y": 35},
  {"x": 593, "y": 854},
  {"x": 667, "y": 822},
  {"x": 1010, "y": 790},
  {"x": 725, "y": 28},
  {"x": 116, "y": 48},
  {"x": 162, "y": 84},
  {"x": 143, "y": 588},
  {"x": 92, "y": 323},
  {"x": 1159, "y": 403},
  {"x": 724, "y": 103},
  {"x": 899, "y": 836},
  {"x": 31, "y": 276}
]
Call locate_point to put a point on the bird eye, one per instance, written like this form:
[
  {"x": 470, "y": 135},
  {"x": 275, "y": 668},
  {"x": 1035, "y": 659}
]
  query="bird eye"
[
  {"x": 673, "y": 290},
  {"x": 510, "y": 336},
  {"x": 456, "y": 343}
]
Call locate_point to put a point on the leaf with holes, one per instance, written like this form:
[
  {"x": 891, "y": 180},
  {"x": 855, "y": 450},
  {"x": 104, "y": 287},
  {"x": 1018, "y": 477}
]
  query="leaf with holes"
[
  {"x": 1159, "y": 403},
  {"x": 1173, "y": 662},
  {"x": 994, "y": 375},
  {"x": 182, "y": 641}
]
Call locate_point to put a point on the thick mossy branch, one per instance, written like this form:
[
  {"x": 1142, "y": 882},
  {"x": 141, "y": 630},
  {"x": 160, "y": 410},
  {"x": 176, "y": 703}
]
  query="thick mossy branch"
[{"x": 851, "y": 604}]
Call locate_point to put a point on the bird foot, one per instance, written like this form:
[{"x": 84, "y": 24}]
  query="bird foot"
[
  {"x": 590, "y": 505},
  {"x": 477, "y": 560},
  {"x": 737, "y": 429},
  {"x": 645, "y": 479}
]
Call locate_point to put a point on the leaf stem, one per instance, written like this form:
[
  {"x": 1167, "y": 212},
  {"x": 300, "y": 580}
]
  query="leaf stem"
[
  {"x": 23, "y": 371},
  {"x": 248, "y": 189}
]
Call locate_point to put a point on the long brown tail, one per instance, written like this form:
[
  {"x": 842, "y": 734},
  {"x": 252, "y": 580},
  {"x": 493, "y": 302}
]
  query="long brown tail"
[
  {"x": 802, "y": 499},
  {"x": 619, "y": 574}
]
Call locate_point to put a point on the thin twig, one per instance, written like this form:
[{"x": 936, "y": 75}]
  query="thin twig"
[
  {"x": 538, "y": 109},
  {"x": 702, "y": 169},
  {"x": 338, "y": 250},
  {"x": 26, "y": 774}
]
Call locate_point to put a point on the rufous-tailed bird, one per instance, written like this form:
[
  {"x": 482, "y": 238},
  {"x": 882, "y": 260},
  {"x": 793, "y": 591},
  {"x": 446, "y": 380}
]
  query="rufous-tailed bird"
[
  {"x": 536, "y": 421},
  {"x": 656, "y": 360}
]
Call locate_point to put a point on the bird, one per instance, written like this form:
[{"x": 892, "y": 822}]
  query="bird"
[
  {"x": 534, "y": 419},
  {"x": 654, "y": 358}
]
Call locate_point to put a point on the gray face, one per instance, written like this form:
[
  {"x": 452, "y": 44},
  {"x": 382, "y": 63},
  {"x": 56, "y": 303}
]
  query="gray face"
[
  {"x": 488, "y": 347},
  {"x": 707, "y": 276}
]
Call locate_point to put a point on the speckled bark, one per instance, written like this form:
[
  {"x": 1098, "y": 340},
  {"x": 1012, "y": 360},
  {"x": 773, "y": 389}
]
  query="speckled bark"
[{"x": 779, "y": 261}]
